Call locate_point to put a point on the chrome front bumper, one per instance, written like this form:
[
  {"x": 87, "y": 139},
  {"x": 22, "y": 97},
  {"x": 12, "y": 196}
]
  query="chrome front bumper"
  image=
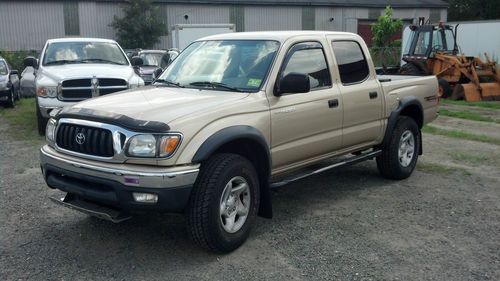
[{"x": 126, "y": 174}]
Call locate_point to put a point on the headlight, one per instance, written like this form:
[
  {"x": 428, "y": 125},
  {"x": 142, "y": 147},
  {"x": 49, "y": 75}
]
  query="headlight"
[
  {"x": 47, "y": 91},
  {"x": 152, "y": 146},
  {"x": 142, "y": 146},
  {"x": 50, "y": 130}
]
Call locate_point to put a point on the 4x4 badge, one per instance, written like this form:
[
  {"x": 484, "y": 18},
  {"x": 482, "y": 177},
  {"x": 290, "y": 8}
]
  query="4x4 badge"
[{"x": 80, "y": 138}]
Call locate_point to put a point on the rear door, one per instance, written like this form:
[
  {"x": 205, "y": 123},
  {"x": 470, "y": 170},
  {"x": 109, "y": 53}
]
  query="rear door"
[
  {"x": 306, "y": 125},
  {"x": 361, "y": 94}
]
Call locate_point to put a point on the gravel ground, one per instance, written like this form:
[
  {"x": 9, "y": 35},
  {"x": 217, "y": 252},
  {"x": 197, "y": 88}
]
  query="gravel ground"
[{"x": 442, "y": 223}]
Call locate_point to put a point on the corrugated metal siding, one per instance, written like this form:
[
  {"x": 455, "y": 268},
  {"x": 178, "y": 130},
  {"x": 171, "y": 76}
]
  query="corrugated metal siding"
[
  {"x": 27, "y": 25},
  {"x": 260, "y": 18},
  {"x": 87, "y": 16},
  {"x": 71, "y": 21},
  {"x": 323, "y": 16}
]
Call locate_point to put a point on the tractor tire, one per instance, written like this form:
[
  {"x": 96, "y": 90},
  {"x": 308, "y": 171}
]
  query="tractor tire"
[
  {"x": 399, "y": 157},
  {"x": 224, "y": 203},
  {"x": 410, "y": 69},
  {"x": 444, "y": 88}
]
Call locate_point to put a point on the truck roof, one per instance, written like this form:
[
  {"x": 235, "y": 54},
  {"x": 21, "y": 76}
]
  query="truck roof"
[
  {"x": 80, "y": 39},
  {"x": 272, "y": 35}
]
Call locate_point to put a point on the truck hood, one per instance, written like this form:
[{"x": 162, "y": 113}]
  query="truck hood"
[
  {"x": 87, "y": 70},
  {"x": 162, "y": 104}
]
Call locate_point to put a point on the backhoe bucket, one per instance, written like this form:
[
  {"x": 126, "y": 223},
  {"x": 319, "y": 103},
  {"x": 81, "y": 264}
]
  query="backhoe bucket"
[{"x": 470, "y": 92}]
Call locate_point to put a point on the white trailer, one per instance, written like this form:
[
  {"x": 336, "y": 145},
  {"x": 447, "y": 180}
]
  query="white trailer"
[
  {"x": 184, "y": 34},
  {"x": 475, "y": 38}
]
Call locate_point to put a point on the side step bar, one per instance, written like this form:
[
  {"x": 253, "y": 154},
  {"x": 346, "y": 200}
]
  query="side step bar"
[
  {"x": 344, "y": 162},
  {"x": 73, "y": 202}
]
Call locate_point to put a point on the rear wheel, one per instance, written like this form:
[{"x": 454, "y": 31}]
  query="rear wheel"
[
  {"x": 399, "y": 158},
  {"x": 224, "y": 203},
  {"x": 444, "y": 88},
  {"x": 41, "y": 121}
]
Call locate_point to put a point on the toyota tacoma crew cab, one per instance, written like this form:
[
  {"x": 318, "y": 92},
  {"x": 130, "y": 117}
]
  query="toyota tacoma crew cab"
[{"x": 232, "y": 117}]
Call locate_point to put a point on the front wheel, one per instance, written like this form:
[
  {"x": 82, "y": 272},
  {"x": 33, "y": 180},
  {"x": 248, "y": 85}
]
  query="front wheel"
[
  {"x": 399, "y": 157},
  {"x": 224, "y": 203},
  {"x": 41, "y": 121}
]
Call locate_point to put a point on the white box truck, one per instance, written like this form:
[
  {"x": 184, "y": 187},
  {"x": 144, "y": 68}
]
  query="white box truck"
[{"x": 184, "y": 34}]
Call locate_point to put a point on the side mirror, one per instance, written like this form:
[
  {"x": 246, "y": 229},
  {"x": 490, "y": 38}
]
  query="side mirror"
[
  {"x": 136, "y": 61},
  {"x": 31, "y": 61},
  {"x": 14, "y": 72},
  {"x": 293, "y": 83}
]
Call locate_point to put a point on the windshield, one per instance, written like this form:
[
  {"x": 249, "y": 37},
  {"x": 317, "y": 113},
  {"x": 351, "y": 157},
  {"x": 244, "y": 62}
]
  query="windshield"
[
  {"x": 84, "y": 52},
  {"x": 232, "y": 65},
  {"x": 3, "y": 68},
  {"x": 154, "y": 59},
  {"x": 422, "y": 44},
  {"x": 450, "y": 40}
]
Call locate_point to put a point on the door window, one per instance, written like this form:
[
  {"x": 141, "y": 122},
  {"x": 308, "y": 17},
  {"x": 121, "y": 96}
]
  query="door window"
[
  {"x": 351, "y": 61},
  {"x": 309, "y": 61}
]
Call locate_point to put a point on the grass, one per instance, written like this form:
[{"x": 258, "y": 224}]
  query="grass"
[
  {"x": 466, "y": 114},
  {"x": 460, "y": 135},
  {"x": 472, "y": 159},
  {"x": 484, "y": 104},
  {"x": 22, "y": 120},
  {"x": 436, "y": 168}
]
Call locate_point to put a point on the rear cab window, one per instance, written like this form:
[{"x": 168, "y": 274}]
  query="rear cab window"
[{"x": 351, "y": 61}]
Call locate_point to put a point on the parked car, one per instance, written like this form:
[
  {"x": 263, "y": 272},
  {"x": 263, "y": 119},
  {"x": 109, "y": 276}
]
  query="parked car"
[
  {"x": 154, "y": 62},
  {"x": 27, "y": 82},
  {"x": 233, "y": 116},
  {"x": 75, "y": 69},
  {"x": 9, "y": 84}
]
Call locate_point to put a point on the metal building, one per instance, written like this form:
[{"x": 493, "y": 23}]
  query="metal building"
[{"x": 27, "y": 24}]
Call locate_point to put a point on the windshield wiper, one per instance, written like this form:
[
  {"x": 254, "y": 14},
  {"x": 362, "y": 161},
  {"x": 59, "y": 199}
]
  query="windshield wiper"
[
  {"x": 62, "y": 62},
  {"x": 215, "y": 85},
  {"x": 101, "y": 60},
  {"x": 163, "y": 81}
]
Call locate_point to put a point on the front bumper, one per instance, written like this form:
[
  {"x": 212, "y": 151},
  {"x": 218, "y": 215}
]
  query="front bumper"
[
  {"x": 113, "y": 184},
  {"x": 4, "y": 94},
  {"x": 46, "y": 105}
]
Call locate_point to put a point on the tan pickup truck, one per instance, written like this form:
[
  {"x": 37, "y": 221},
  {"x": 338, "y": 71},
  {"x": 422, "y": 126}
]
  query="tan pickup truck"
[{"x": 233, "y": 116}]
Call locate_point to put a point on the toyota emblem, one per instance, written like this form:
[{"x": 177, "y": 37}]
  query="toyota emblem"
[{"x": 80, "y": 138}]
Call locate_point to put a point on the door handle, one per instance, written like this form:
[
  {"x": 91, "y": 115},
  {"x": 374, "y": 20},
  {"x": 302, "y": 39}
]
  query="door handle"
[
  {"x": 333, "y": 103},
  {"x": 373, "y": 95}
]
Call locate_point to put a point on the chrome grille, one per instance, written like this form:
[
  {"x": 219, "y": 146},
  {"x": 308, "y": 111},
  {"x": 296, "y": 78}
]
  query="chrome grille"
[
  {"x": 81, "y": 89},
  {"x": 85, "y": 139}
]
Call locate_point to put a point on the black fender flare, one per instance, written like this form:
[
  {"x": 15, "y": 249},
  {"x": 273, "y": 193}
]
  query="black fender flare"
[
  {"x": 233, "y": 133},
  {"x": 404, "y": 103}
]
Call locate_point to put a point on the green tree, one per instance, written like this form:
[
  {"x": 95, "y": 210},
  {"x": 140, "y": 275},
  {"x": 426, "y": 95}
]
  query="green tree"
[
  {"x": 463, "y": 10},
  {"x": 140, "y": 26},
  {"x": 385, "y": 28},
  {"x": 384, "y": 50}
]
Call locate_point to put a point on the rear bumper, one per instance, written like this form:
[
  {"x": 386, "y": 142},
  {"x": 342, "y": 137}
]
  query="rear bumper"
[{"x": 115, "y": 184}]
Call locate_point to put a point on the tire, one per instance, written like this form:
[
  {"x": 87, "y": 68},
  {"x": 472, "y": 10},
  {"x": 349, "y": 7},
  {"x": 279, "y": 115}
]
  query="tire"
[
  {"x": 410, "y": 69},
  {"x": 212, "y": 203},
  {"x": 41, "y": 121},
  {"x": 405, "y": 136},
  {"x": 444, "y": 88},
  {"x": 11, "y": 102}
]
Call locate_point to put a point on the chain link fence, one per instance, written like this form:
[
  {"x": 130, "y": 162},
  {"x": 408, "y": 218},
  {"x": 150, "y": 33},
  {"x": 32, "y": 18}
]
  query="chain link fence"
[{"x": 386, "y": 56}]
